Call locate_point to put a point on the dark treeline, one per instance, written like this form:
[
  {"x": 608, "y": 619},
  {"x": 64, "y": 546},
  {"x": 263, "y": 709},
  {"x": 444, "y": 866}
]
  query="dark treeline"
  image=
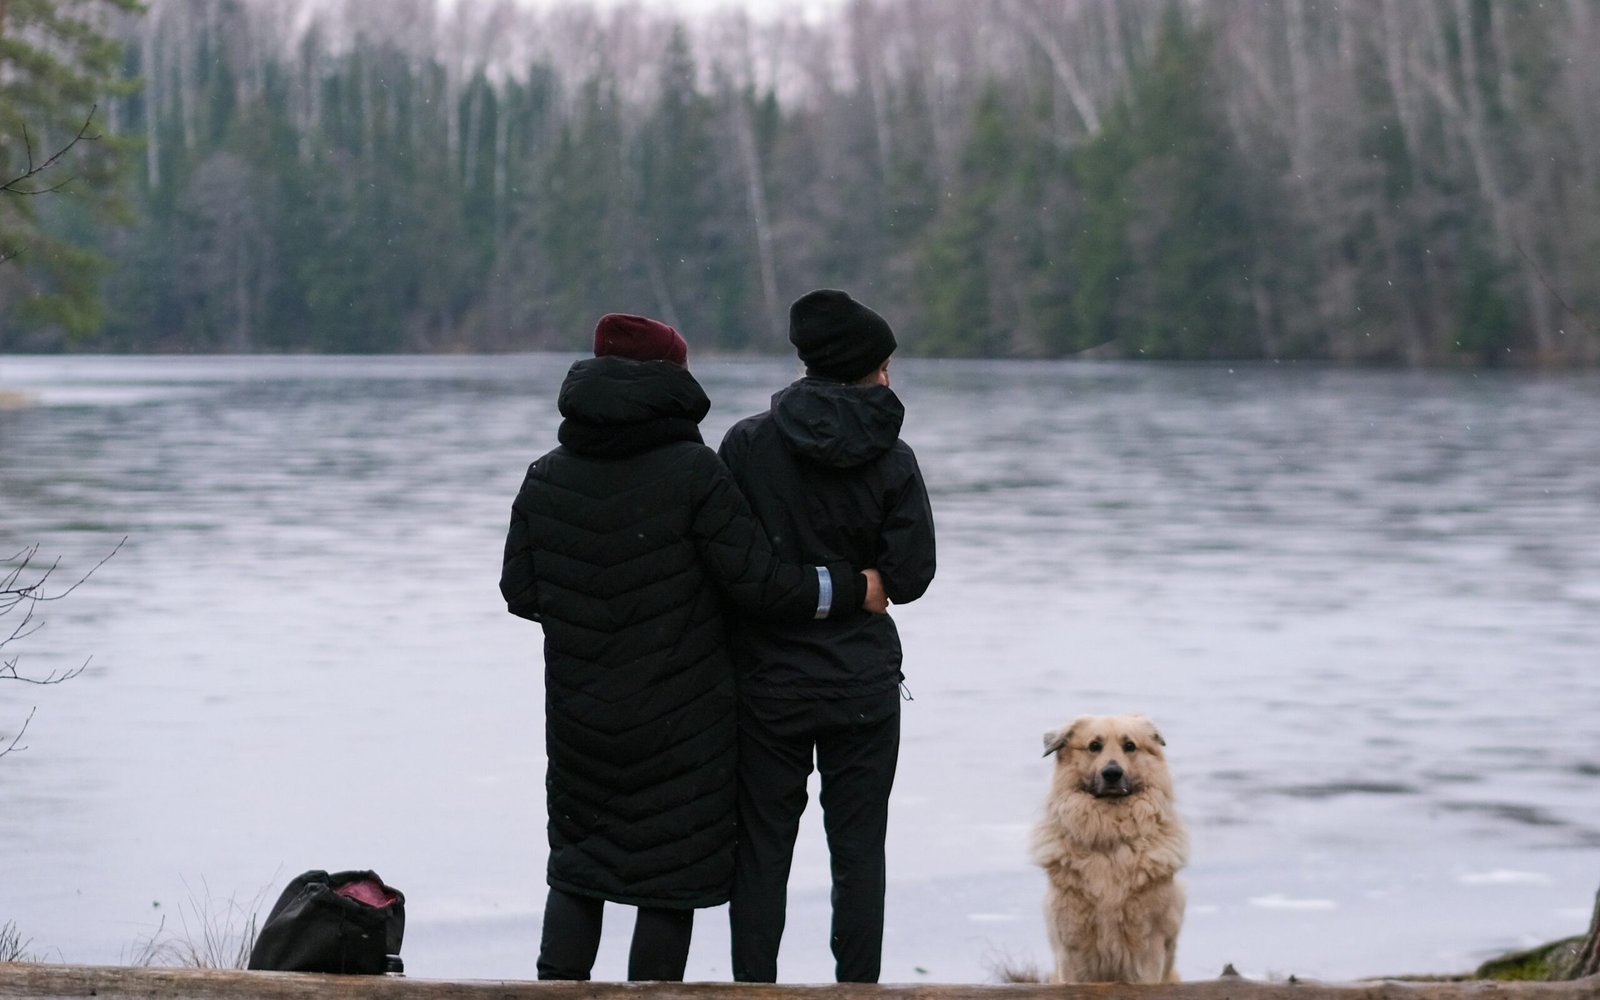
[{"x": 1408, "y": 181}]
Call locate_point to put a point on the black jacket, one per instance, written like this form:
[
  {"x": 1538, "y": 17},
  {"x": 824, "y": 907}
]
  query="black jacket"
[
  {"x": 623, "y": 543},
  {"x": 830, "y": 479}
]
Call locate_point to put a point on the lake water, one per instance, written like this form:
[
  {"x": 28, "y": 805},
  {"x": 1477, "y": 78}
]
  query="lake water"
[{"x": 1363, "y": 606}]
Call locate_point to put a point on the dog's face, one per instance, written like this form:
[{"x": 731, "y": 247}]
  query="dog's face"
[{"x": 1108, "y": 756}]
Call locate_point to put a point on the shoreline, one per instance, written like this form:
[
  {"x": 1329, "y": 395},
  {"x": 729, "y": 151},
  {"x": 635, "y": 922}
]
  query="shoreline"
[{"x": 49, "y": 982}]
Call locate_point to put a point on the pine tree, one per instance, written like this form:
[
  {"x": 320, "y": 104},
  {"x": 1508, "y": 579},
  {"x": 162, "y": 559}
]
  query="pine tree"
[
  {"x": 58, "y": 165},
  {"x": 582, "y": 207},
  {"x": 956, "y": 272},
  {"x": 698, "y": 279},
  {"x": 1163, "y": 260}
]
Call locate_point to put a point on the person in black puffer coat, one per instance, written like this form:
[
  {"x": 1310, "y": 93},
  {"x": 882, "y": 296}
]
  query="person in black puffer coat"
[
  {"x": 624, "y": 542},
  {"x": 829, "y": 477}
]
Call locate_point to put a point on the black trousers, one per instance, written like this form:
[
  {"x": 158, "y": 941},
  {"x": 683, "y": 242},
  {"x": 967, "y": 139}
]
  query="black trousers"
[
  {"x": 571, "y": 938},
  {"x": 856, "y": 742}
]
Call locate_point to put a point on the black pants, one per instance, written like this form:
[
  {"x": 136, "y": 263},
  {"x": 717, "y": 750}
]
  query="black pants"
[
  {"x": 857, "y": 744},
  {"x": 571, "y": 937}
]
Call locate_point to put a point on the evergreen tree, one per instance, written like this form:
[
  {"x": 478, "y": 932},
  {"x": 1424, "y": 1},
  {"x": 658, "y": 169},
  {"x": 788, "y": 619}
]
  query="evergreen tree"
[
  {"x": 690, "y": 244},
  {"x": 58, "y": 71},
  {"x": 582, "y": 206},
  {"x": 955, "y": 274},
  {"x": 1163, "y": 260},
  {"x": 1375, "y": 180},
  {"x": 516, "y": 309}
]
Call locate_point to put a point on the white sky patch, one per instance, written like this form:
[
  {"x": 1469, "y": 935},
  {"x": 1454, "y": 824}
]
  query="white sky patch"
[
  {"x": 1504, "y": 876},
  {"x": 1278, "y": 901}
]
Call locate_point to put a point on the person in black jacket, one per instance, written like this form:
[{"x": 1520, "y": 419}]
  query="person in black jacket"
[
  {"x": 624, "y": 542},
  {"x": 830, "y": 479}
]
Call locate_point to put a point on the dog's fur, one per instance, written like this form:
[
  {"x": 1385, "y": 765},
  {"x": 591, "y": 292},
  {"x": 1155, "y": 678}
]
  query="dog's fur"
[{"x": 1110, "y": 845}]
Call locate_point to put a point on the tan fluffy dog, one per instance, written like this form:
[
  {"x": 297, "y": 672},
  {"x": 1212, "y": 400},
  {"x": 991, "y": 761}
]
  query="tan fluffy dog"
[{"x": 1110, "y": 845}]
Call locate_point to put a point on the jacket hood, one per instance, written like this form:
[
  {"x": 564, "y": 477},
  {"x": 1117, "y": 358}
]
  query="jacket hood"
[
  {"x": 610, "y": 391},
  {"x": 837, "y": 425},
  {"x": 614, "y": 406}
]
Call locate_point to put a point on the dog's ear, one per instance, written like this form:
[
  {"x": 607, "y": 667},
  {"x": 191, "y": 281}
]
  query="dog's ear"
[
  {"x": 1155, "y": 733},
  {"x": 1055, "y": 739}
]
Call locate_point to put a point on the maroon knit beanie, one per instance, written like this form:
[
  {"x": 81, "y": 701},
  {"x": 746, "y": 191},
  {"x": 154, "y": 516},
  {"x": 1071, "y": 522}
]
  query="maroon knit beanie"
[{"x": 640, "y": 338}]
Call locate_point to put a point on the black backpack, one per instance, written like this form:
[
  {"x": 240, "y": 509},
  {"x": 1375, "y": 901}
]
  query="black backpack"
[{"x": 349, "y": 922}]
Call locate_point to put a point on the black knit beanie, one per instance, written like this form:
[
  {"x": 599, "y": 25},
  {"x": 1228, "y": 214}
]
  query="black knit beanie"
[{"x": 838, "y": 337}]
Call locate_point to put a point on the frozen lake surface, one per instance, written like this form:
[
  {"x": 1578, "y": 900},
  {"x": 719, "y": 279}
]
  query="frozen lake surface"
[{"x": 1363, "y": 606}]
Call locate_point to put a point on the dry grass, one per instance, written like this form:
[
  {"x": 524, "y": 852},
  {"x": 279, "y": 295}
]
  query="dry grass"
[
  {"x": 1006, "y": 968},
  {"x": 13, "y": 947},
  {"x": 210, "y": 935}
]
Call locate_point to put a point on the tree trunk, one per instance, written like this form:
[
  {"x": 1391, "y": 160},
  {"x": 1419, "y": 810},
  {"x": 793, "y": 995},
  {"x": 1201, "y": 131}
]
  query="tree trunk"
[
  {"x": 766, "y": 256},
  {"x": 1061, "y": 63},
  {"x": 474, "y": 137},
  {"x": 865, "y": 37},
  {"x": 187, "y": 54},
  {"x": 152, "y": 100},
  {"x": 1581, "y": 93},
  {"x": 1411, "y": 346},
  {"x": 1394, "y": 67},
  {"x": 502, "y": 146},
  {"x": 1473, "y": 117},
  {"x": 1116, "y": 51},
  {"x": 658, "y": 286},
  {"x": 1299, "y": 94},
  {"x": 1505, "y": 84}
]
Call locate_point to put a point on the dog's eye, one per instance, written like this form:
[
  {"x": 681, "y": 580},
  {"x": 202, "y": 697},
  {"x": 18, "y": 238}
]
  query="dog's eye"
[
  {"x": 1095, "y": 746},
  {"x": 1128, "y": 746}
]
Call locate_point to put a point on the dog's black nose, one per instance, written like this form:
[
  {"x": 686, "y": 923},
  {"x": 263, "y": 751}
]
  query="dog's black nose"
[{"x": 1111, "y": 773}]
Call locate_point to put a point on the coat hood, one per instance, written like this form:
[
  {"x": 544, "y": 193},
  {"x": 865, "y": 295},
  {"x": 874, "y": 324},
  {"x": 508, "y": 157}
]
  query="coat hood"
[
  {"x": 614, "y": 406},
  {"x": 837, "y": 425}
]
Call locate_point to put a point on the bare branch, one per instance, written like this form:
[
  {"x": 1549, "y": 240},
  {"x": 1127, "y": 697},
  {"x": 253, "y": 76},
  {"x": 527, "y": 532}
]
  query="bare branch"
[
  {"x": 14, "y": 746},
  {"x": 14, "y": 592},
  {"x": 11, "y": 593},
  {"x": 8, "y": 672},
  {"x": 13, "y": 186},
  {"x": 22, "y": 559},
  {"x": 1587, "y": 321}
]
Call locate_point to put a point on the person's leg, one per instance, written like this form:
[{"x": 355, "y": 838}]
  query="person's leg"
[
  {"x": 660, "y": 945},
  {"x": 774, "y": 763},
  {"x": 857, "y": 759},
  {"x": 571, "y": 935}
]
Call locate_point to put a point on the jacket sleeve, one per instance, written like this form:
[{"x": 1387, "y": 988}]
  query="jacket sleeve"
[
  {"x": 906, "y": 553},
  {"x": 517, "y": 578},
  {"x": 735, "y": 550}
]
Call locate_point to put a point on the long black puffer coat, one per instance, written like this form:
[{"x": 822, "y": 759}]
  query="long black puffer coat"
[{"x": 624, "y": 541}]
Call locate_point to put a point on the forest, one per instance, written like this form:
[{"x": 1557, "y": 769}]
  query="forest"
[{"x": 1410, "y": 182}]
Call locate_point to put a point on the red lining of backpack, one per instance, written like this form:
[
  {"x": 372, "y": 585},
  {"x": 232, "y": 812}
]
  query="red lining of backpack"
[{"x": 369, "y": 891}]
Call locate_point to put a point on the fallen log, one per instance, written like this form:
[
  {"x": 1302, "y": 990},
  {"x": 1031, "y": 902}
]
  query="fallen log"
[{"x": 24, "y": 981}]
